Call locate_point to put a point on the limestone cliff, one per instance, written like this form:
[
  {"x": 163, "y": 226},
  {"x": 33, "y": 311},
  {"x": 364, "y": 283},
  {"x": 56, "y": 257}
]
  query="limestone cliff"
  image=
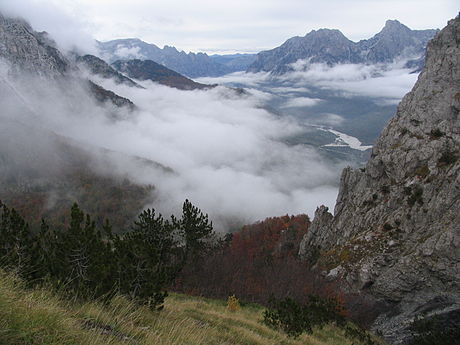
[{"x": 395, "y": 232}]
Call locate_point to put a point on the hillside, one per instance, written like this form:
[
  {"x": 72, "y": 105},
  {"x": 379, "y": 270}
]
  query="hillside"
[
  {"x": 150, "y": 70},
  {"x": 33, "y": 317},
  {"x": 395, "y": 229}
]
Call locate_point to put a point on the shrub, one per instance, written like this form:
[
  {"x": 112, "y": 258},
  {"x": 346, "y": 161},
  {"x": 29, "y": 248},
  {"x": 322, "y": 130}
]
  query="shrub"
[
  {"x": 387, "y": 227},
  {"x": 434, "y": 331},
  {"x": 447, "y": 158},
  {"x": 436, "y": 133},
  {"x": 385, "y": 189},
  {"x": 233, "y": 304},
  {"x": 295, "y": 318},
  {"x": 416, "y": 196},
  {"x": 422, "y": 171}
]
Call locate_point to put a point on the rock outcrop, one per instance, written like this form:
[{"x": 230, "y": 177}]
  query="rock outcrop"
[
  {"x": 395, "y": 232},
  {"x": 395, "y": 41}
]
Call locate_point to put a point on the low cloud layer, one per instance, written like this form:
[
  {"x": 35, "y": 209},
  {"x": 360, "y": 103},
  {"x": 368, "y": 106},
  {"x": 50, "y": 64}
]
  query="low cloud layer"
[
  {"x": 390, "y": 82},
  {"x": 386, "y": 83},
  {"x": 301, "y": 102},
  {"x": 227, "y": 154}
]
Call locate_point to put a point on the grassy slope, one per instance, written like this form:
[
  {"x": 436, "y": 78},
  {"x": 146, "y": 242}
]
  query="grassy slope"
[{"x": 39, "y": 317}]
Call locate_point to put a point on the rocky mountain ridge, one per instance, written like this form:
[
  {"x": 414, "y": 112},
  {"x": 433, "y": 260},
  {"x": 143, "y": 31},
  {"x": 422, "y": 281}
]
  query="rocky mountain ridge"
[
  {"x": 30, "y": 51},
  {"x": 395, "y": 231},
  {"x": 395, "y": 41},
  {"x": 27, "y": 54},
  {"x": 150, "y": 70},
  {"x": 192, "y": 65},
  {"x": 101, "y": 68}
]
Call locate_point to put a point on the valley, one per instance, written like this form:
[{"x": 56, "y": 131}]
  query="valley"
[{"x": 312, "y": 186}]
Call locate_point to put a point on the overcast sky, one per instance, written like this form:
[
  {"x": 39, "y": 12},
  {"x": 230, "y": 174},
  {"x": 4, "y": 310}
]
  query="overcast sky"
[{"x": 226, "y": 26}]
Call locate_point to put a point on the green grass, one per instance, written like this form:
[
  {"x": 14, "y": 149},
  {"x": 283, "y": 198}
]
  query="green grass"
[{"x": 40, "y": 317}]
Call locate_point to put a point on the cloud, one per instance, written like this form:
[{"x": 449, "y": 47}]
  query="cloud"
[
  {"x": 66, "y": 27},
  {"x": 228, "y": 155},
  {"x": 239, "y": 25},
  {"x": 328, "y": 120},
  {"x": 389, "y": 83},
  {"x": 248, "y": 79},
  {"x": 128, "y": 53},
  {"x": 300, "y": 102}
]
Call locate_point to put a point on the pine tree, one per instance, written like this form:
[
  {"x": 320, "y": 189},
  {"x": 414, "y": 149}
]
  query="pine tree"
[
  {"x": 146, "y": 258},
  {"x": 195, "y": 229}
]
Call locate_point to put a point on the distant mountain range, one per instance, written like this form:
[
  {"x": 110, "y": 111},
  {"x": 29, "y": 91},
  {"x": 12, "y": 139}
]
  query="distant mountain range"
[
  {"x": 193, "y": 65},
  {"x": 395, "y": 41}
]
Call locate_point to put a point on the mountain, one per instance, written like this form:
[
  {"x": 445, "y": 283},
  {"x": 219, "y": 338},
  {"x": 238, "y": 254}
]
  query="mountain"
[
  {"x": 101, "y": 68},
  {"x": 150, "y": 70},
  {"x": 192, "y": 65},
  {"x": 43, "y": 173},
  {"x": 235, "y": 62},
  {"x": 393, "y": 42},
  {"x": 30, "y": 54},
  {"x": 28, "y": 51},
  {"x": 395, "y": 230}
]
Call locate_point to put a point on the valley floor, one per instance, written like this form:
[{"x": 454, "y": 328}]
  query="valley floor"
[{"x": 33, "y": 317}]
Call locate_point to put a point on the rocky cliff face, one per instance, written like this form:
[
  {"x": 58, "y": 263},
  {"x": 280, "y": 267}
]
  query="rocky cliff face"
[
  {"x": 395, "y": 232},
  {"x": 395, "y": 41},
  {"x": 30, "y": 51},
  {"x": 26, "y": 55}
]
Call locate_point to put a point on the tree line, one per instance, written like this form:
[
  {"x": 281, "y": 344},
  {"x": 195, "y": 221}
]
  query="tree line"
[{"x": 89, "y": 261}]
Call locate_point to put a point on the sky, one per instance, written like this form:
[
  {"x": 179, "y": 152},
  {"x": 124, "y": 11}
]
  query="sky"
[{"x": 217, "y": 26}]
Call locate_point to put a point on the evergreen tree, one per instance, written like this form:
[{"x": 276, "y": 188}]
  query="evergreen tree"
[
  {"x": 146, "y": 258},
  {"x": 195, "y": 230},
  {"x": 15, "y": 241}
]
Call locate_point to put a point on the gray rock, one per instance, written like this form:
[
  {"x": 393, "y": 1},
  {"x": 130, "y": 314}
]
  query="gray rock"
[
  {"x": 30, "y": 51},
  {"x": 395, "y": 231},
  {"x": 395, "y": 41}
]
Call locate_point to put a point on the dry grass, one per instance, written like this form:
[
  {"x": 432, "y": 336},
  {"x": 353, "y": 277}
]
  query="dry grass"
[{"x": 40, "y": 317}]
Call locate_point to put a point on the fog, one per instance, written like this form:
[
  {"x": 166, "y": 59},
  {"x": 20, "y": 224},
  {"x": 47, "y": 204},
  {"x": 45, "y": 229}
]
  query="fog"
[
  {"x": 226, "y": 153},
  {"x": 65, "y": 27},
  {"x": 385, "y": 83}
]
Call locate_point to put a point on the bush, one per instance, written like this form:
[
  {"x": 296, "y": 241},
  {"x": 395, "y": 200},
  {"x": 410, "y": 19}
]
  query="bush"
[
  {"x": 436, "y": 133},
  {"x": 447, "y": 158},
  {"x": 233, "y": 304},
  {"x": 295, "y": 318},
  {"x": 416, "y": 196},
  {"x": 434, "y": 331}
]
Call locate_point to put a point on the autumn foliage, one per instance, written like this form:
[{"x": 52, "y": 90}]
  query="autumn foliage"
[{"x": 258, "y": 262}]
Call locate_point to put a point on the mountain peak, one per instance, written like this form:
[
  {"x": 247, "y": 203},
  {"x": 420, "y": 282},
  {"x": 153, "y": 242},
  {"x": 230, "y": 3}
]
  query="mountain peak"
[
  {"x": 393, "y": 25},
  {"x": 395, "y": 41},
  {"x": 324, "y": 32}
]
